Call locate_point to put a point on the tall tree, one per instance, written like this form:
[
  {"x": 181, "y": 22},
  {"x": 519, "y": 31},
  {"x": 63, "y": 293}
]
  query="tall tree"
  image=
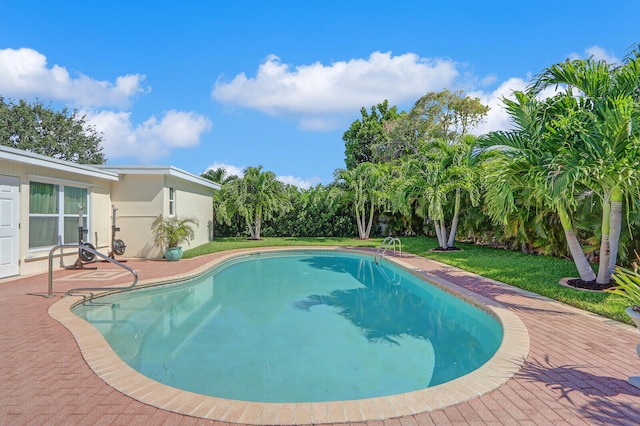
[
  {"x": 518, "y": 163},
  {"x": 436, "y": 180},
  {"x": 218, "y": 175},
  {"x": 584, "y": 140},
  {"x": 434, "y": 136},
  {"x": 364, "y": 134},
  {"x": 255, "y": 197},
  {"x": 444, "y": 115},
  {"x": 41, "y": 130},
  {"x": 599, "y": 136},
  {"x": 365, "y": 189}
]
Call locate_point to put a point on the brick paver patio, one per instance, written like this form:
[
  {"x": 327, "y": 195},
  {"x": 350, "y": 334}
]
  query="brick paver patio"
[{"x": 576, "y": 371}]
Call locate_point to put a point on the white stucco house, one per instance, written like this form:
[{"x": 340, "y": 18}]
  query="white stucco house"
[{"x": 40, "y": 198}]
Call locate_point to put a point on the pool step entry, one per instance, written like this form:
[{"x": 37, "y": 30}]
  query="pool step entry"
[{"x": 385, "y": 245}]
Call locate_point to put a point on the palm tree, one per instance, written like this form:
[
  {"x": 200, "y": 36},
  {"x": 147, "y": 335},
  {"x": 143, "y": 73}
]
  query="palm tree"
[
  {"x": 462, "y": 175},
  {"x": 365, "y": 189},
  {"x": 598, "y": 133},
  {"x": 255, "y": 197},
  {"x": 425, "y": 185},
  {"x": 436, "y": 180},
  {"x": 218, "y": 175},
  {"x": 519, "y": 175}
]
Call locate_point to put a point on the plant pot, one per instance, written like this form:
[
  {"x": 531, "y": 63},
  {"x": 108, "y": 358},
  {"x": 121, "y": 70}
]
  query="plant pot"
[
  {"x": 635, "y": 316},
  {"x": 173, "y": 253}
]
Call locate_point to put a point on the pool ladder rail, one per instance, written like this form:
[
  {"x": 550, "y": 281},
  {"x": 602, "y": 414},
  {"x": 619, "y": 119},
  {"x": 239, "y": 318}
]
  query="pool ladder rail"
[
  {"x": 97, "y": 253},
  {"x": 384, "y": 245}
]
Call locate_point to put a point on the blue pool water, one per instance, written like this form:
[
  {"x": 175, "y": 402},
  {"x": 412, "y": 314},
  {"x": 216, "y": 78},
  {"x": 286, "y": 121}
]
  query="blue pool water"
[{"x": 301, "y": 326}]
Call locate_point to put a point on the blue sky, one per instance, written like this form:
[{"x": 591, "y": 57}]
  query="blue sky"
[{"x": 235, "y": 84}]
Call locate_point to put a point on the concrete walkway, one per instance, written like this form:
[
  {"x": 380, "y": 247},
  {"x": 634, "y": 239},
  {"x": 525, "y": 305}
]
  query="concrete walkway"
[{"x": 576, "y": 371}]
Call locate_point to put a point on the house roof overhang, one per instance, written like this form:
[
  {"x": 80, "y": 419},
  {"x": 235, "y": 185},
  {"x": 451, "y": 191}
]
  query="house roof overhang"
[
  {"x": 161, "y": 170},
  {"x": 29, "y": 158}
]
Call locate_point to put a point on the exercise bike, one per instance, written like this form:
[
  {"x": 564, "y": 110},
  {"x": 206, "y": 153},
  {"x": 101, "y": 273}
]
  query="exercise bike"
[
  {"x": 117, "y": 245},
  {"x": 84, "y": 256}
]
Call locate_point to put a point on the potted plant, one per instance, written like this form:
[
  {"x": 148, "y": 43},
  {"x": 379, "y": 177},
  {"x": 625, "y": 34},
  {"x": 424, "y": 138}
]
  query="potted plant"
[
  {"x": 172, "y": 231},
  {"x": 628, "y": 286}
]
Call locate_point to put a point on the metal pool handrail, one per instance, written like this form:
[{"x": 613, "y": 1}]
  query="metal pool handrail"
[
  {"x": 384, "y": 246},
  {"x": 97, "y": 253}
]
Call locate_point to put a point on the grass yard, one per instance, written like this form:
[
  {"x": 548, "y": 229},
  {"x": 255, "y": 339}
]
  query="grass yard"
[{"x": 538, "y": 274}]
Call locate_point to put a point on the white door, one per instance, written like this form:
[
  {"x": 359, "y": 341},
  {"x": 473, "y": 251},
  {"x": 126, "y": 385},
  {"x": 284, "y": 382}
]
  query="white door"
[{"x": 9, "y": 231}]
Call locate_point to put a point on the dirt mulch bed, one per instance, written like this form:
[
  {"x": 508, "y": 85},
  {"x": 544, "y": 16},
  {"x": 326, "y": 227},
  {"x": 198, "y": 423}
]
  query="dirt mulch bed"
[{"x": 579, "y": 284}]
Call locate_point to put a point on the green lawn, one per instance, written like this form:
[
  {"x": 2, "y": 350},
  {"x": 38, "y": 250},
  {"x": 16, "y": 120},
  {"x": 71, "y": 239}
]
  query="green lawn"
[{"x": 538, "y": 274}]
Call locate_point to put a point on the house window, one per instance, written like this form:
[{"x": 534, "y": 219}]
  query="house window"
[
  {"x": 172, "y": 201},
  {"x": 54, "y": 211}
]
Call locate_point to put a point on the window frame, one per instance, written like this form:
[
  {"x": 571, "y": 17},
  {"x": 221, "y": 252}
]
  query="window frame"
[
  {"x": 60, "y": 213},
  {"x": 172, "y": 201}
]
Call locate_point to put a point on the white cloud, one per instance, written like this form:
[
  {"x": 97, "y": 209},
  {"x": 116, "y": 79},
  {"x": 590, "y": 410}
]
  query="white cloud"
[
  {"x": 299, "y": 182},
  {"x": 488, "y": 80},
  {"x": 230, "y": 170},
  {"x": 319, "y": 123},
  {"x": 25, "y": 73},
  {"x": 497, "y": 117},
  {"x": 150, "y": 140},
  {"x": 175, "y": 129},
  {"x": 597, "y": 53},
  {"x": 312, "y": 92}
]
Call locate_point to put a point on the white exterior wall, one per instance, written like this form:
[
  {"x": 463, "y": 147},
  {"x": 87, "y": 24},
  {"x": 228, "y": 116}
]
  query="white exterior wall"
[
  {"x": 36, "y": 260},
  {"x": 139, "y": 194},
  {"x": 195, "y": 201},
  {"x": 139, "y": 200}
]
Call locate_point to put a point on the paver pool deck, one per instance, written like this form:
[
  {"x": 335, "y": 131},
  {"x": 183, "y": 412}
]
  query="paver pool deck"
[{"x": 575, "y": 373}]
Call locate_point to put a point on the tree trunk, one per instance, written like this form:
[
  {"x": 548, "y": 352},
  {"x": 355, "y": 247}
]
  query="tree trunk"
[
  {"x": 443, "y": 232},
  {"x": 370, "y": 224},
  {"x": 250, "y": 226},
  {"x": 615, "y": 229},
  {"x": 605, "y": 248},
  {"x": 360, "y": 223},
  {"x": 438, "y": 234},
  {"x": 258, "y": 226},
  {"x": 582, "y": 264},
  {"x": 454, "y": 221}
]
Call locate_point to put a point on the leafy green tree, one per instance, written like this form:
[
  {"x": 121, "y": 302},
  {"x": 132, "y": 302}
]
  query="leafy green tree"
[
  {"x": 432, "y": 141},
  {"x": 444, "y": 115},
  {"x": 365, "y": 189},
  {"x": 599, "y": 136},
  {"x": 462, "y": 177},
  {"x": 218, "y": 175},
  {"x": 255, "y": 197},
  {"x": 435, "y": 182},
  {"x": 314, "y": 214},
  {"x": 518, "y": 177},
  {"x": 366, "y": 133},
  {"x": 41, "y": 130},
  {"x": 582, "y": 142}
]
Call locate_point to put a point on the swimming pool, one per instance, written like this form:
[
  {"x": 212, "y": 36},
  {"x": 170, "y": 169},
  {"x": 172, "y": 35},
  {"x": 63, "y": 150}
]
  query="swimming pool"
[{"x": 303, "y": 326}]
